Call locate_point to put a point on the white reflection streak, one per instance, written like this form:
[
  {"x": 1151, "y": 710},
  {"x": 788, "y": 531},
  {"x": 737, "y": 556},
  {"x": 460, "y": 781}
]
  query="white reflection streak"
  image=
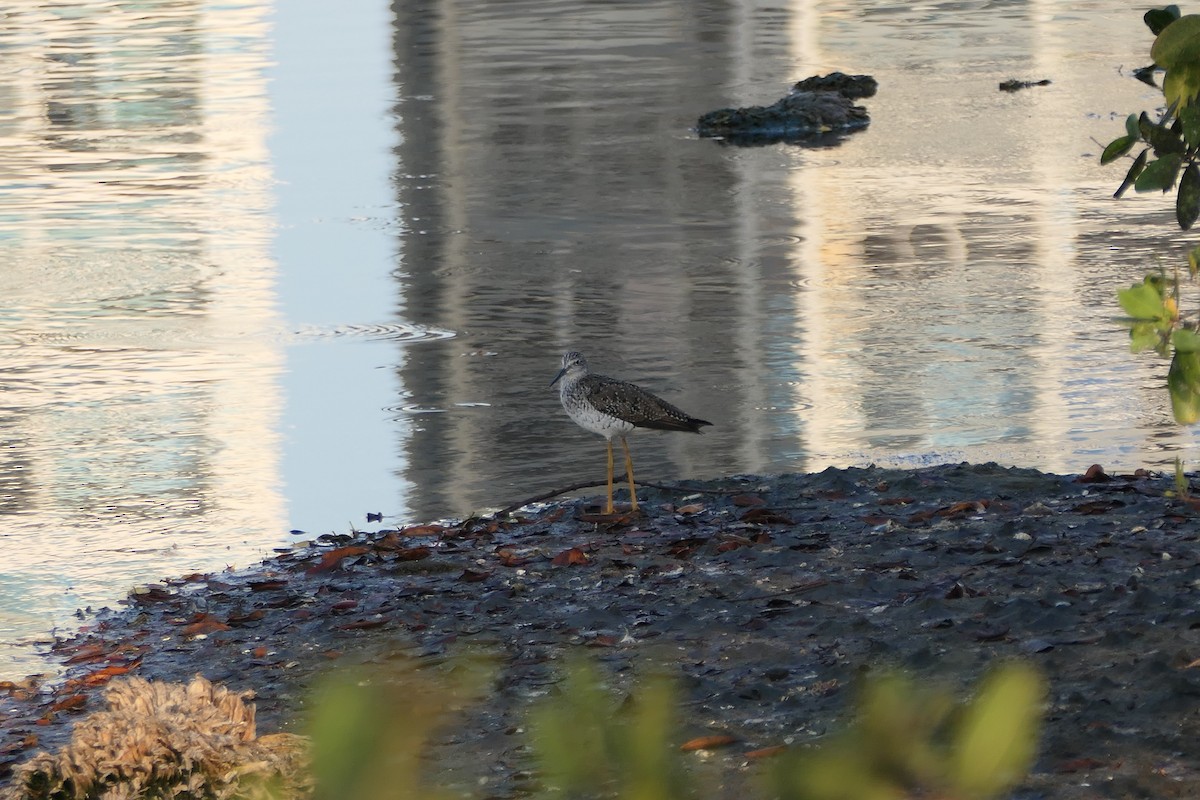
[
  {"x": 1056, "y": 265},
  {"x": 138, "y": 390},
  {"x": 824, "y": 419}
]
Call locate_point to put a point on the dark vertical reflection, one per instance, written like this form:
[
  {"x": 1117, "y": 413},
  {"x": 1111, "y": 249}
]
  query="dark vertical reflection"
[{"x": 548, "y": 189}]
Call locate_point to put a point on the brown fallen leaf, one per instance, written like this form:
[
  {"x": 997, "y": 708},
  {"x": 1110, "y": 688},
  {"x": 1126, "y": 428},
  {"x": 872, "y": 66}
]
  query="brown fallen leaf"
[
  {"x": 1095, "y": 474},
  {"x": 747, "y": 500},
  {"x": 707, "y": 742},
  {"x": 243, "y": 619},
  {"x": 510, "y": 559},
  {"x": 683, "y": 548},
  {"x": 93, "y": 652},
  {"x": 202, "y": 625},
  {"x": 570, "y": 558},
  {"x": 145, "y": 595},
  {"x": 964, "y": 508},
  {"x": 1080, "y": 765},
  {"x": 17, "y": 745},
  {"x": 413, "y": 553},
  {"x": 333, "y": 558},
  {"x": 603, "y": 640},
  {"x": 690, "y": 508},
  {"x": 270, "y": 584},
  {"x": 105, "y": 674},
  {"x": 766, "y": 752},
  {"x": 69, "y": 703},
  {"x": 897, "y": 501},
  {"x": 389, "y": 541},
  {"x": 422, "y": 530}
]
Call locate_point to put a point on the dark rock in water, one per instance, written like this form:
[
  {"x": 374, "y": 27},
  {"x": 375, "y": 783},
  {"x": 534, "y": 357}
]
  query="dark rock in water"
[
  {"x": 1013, "y": 85},
  {"x": 815, "y": 107},
  {"x": 851, "y": 86}
]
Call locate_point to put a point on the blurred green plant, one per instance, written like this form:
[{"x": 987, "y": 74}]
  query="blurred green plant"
[
  {"x": 907, "y": 739},
  {"x": 1183, "y": 486},
  {"x": 910, "y": 740},
  {"x": 588, "y": 745},
  {"x": 1168, "y": 160},
  {"x": 370, "y": 727}
]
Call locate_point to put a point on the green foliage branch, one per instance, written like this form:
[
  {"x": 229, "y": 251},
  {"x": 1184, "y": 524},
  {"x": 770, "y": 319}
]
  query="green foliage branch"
[{"x": 1169, "y": 156}]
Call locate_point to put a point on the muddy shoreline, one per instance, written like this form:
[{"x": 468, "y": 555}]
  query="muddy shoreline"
[{"x": 764, "y": 595}]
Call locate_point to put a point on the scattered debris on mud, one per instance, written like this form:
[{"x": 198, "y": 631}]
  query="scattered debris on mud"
[{"x": 765, "y": 596}]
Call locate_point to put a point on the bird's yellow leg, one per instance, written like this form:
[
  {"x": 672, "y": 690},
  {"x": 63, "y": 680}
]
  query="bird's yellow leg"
[
  {"x": 629, "y": 475},
  {"x": 608, "y": 508}
]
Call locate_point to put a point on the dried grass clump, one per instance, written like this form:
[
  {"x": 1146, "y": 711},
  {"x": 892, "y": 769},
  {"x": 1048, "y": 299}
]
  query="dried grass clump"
[{"x": 167, "y": 740}]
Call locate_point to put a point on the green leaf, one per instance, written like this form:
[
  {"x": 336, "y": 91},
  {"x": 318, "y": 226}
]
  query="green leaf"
[
  {"x": 1159, "y": 174},
  {"x": 1187, "y": 201},
  {"x": 1181, "y": 84},
  {"x": 1186, "y": 340},
  {"x": 1144, "y": 336},
  {"x": 1158, "y": 18},
  {"x": 1178, "y": 43},
  {"x": 1166, "y": 140},
  {"x": 1131, "y": 176},
  {"x": 1190, "y": 117},
  {"x": 998, "y": 736},
  {"x": 1117, "y": 148},
  {"x": 1183, "y": 383},
  {"x": 1131, "y": 127},
  {"x": 1143, "y": 301},
  {"x": 1146, "y": 126},
  {"x": 1194, "y": 261}
]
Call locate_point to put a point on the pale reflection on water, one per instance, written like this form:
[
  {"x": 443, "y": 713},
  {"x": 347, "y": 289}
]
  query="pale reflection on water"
[
  {"x": 191, "y": 258},
  {"x": 139, "y": 396}
]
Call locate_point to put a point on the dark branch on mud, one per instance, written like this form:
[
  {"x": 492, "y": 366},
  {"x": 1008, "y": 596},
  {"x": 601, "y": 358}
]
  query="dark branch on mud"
[{"x": 508, "y": 509}]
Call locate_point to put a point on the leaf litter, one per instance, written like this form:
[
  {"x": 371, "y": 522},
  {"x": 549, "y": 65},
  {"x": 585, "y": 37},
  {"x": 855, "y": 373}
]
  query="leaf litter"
[{"x": 767, "y": 600}]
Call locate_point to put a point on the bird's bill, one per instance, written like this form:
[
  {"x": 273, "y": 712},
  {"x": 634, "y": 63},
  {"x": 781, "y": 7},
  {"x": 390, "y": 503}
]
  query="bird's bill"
[{"x": 561, "y": 372}]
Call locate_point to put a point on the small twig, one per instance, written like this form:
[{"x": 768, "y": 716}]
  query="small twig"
[
  {"x": 676, "y": 488},
  {"x": 508, "y": 509},
  {"x": 621, "y": 480}
]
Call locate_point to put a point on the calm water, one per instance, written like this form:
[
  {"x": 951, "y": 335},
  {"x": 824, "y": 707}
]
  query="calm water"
[{"x": 272, "y": 268}]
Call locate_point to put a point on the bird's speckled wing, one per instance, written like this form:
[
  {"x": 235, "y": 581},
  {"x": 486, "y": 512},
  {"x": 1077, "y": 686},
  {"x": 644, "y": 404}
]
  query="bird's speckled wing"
[{"x": 636, "y": 406}]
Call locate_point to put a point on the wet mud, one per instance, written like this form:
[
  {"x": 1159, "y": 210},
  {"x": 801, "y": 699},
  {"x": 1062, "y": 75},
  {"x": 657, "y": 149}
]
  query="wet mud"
[{"x": 765, "y": 597}]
